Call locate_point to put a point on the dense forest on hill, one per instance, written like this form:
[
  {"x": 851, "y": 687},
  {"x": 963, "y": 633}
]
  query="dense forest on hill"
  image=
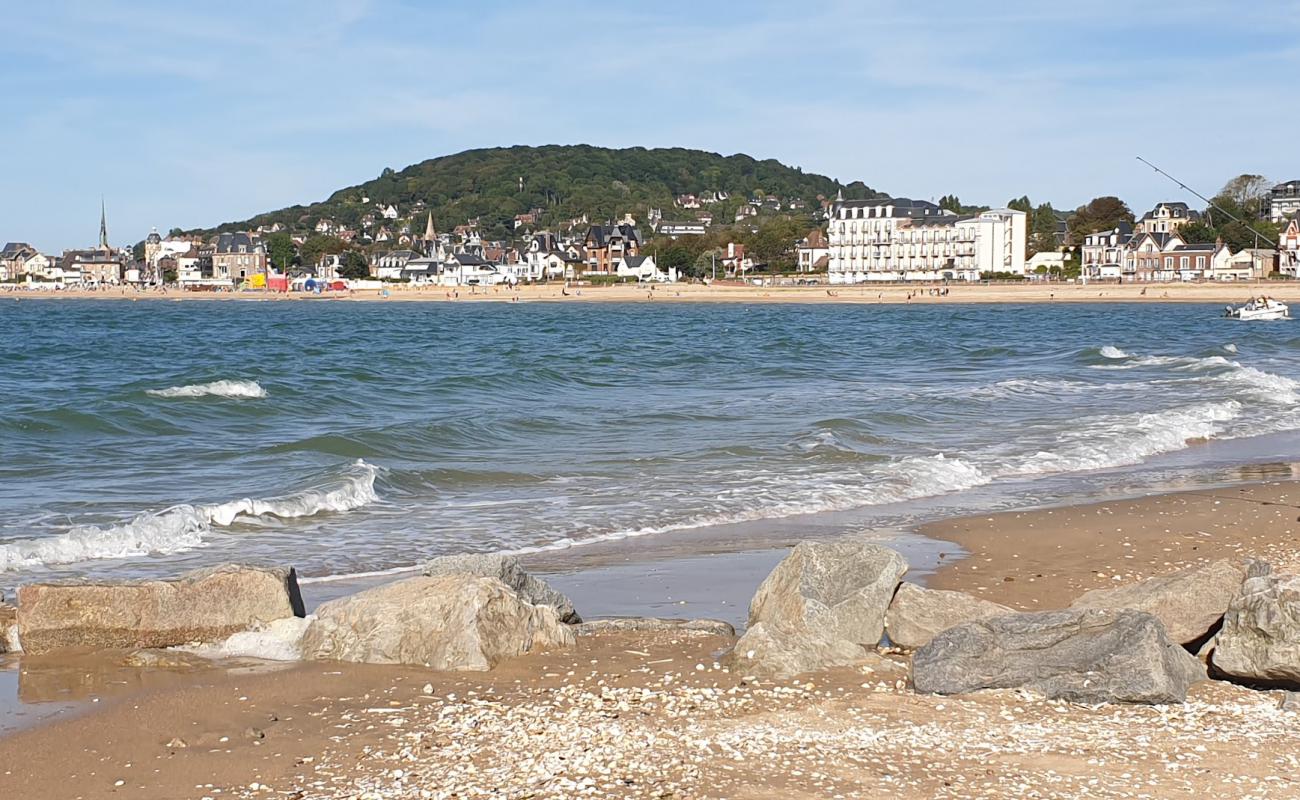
[{"x": 564, "y": 182}]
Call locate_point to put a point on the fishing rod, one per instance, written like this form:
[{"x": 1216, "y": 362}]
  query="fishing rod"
[{"x": 1211, "y": 203}]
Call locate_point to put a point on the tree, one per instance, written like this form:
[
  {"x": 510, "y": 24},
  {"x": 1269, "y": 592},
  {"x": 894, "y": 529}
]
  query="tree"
[
  {"x": 1099, "y": 214},
  {"x": 1250, "y": 193},
  {"x": 355, "y": 266},
  {"x": 280, "y": 250},
  {"x": 1198, "y": 232},
  {"x": 317, "y": 246},
  {"x": 675, "y": 256},
  {"x": 1042, "y": 224},
  {"x": 1021, "y": 204},
  {"x": 950, "y": 202}
]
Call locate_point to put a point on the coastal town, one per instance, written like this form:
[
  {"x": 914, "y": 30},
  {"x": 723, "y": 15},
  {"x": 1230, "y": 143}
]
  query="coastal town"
[{"x": 767, "y": 240}]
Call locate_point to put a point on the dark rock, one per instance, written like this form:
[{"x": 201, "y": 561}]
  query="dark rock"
[{"x": 1081, "y": 655}]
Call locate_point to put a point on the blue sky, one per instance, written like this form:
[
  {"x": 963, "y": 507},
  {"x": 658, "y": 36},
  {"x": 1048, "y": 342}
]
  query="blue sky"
[{"x": 198, "y": 113}]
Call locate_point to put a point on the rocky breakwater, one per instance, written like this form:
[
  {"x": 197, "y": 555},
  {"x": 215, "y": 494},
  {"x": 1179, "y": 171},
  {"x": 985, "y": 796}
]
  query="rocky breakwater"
[
  {"x": 823, "y": 606},
  {"x": 203, "y": 606}
]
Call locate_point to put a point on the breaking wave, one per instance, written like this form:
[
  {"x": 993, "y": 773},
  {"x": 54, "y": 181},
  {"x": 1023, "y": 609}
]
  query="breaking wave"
[
  {"x": 1125, "y": 439},
  {"x": 1110, "y": 351},
  {"x": 184, "y": 527},
  {"x": 242, "y": 390}
]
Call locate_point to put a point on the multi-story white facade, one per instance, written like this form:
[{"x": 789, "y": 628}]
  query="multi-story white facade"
[
  {"x": 897, "y": 239},
  {"x": 1284, "y": 201}
]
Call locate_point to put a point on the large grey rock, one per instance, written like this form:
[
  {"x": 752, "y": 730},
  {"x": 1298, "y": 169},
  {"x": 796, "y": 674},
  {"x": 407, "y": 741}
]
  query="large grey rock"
[
  {"x": 446, "y": 622},
  {"x": 508, "y": 570},
  {"x": 917, "y": 614},
  {"x": 203, "y": 606},
  {"x": 1190, "y": 602},
  {"x": 767, "y": 652},
  {"x": 1260, "y": 638},
  {"x": 838, "y": 590},
  {"x": 1081, "y": 655},
  {"x": 709, "y": 627}
]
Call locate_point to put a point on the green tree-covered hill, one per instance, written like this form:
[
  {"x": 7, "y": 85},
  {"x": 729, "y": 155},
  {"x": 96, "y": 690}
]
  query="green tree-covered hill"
[{"x": 564, "y": 182}]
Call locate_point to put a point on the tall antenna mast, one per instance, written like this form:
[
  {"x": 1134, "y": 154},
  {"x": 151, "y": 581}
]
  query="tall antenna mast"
[{"x": 1211, "y": 203}]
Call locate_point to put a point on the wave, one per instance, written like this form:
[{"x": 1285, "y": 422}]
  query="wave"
[
  {"x": 1109, "y": 351},
  {"x": 242, "y": 390},
  {"x": 909, "y": 478},
  {"x": 1125, "y": 439},
  {"x": 184, "y": 527}
]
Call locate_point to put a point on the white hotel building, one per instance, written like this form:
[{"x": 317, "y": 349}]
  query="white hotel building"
[{"x": 897, "y": 239}]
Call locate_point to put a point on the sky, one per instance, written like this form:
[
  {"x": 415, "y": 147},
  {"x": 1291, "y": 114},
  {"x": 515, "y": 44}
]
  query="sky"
[{"x": 192, "y": 114}]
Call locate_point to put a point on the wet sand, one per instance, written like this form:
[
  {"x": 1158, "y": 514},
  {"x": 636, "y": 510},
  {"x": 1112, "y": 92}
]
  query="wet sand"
[
  {"x": 1221, "y": 293},
  {"x": 1045, "y": 558},
  {"x": 653, "y": 715}
]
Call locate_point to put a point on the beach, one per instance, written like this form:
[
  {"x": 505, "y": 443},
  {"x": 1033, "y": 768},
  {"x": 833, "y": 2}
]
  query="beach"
[
  {"x": 651, "y": 714},
  {"x": 735, "y": 292},
  {"x": 646, "y": 459}
]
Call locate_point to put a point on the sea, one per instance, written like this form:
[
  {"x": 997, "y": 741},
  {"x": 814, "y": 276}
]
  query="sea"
[{"x": 148, "y": 438}]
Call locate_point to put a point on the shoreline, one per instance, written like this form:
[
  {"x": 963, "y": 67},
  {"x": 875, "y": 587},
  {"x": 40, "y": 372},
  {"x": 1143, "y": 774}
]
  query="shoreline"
[
  {"x": 855, "y": 294},
  {"x": 337, "y": 730}
]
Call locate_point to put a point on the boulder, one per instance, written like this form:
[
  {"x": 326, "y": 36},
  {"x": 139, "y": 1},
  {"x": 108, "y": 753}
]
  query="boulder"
[
  {"x": 838, "y": 590},
  {"x": 202, "y": 606},
  {"x": 917, "y": 614},
  {"x": 767, "y": 652},
  {"x": 1190, "y": 602},
  {"x": 709, "y": 627},
  {"x": 1081, "y": 655},
  {"x": 445, "y": 622},
  {"x": 507, "y": 570},
  {"x": 8, "y": 621},
  {"x": 1260, "y": 638}
]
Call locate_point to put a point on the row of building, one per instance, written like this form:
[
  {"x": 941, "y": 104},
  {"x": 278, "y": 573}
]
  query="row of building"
[{"x": 1153, "y": 249}]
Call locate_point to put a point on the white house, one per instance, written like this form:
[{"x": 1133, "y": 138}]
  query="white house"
[
  {"x": 467, "y": 269},
  {"x": 644, "y": 269},
  {"x": 1045, "y": 261},
  {"x": 1284, "y": 201},
  {"x": 897, "y": 239},
  {"x": 814, "y": 252},
  {"x": 676, "y": 229}
]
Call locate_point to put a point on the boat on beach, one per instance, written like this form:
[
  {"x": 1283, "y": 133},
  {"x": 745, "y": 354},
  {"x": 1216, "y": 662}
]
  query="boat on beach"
[{"x": 1259, "y": 308}]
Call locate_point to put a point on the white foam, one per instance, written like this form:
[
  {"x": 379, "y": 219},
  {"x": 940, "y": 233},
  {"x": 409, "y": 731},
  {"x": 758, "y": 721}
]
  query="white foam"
[
  {"x": 278, "y": 640},
  {"x": 1230, "y": 347},
  {"x": 1110, "y": 351},
  {"x": 184, "y": 527},
  {"x": 906, "y": 479},
  {"x": 243, "y": 390},
  {"x": 1124, "y": 439}
]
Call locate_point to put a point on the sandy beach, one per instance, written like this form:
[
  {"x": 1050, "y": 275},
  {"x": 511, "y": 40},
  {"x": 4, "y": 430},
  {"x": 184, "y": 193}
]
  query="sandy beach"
[
  {"x": 654, "y": 715},
  {"x": 732, "y": 292}
]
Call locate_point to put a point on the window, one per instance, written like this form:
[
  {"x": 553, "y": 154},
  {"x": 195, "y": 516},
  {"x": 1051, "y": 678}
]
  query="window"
[
  {"x": 1200, "y": 262},
  {"x": 1184, "y": 262},
  {"x": 1169, "y": 262}
]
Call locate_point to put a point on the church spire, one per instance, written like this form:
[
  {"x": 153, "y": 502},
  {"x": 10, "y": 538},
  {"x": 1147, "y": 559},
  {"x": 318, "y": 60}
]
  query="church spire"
[{"x": 103, "y": 226}]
